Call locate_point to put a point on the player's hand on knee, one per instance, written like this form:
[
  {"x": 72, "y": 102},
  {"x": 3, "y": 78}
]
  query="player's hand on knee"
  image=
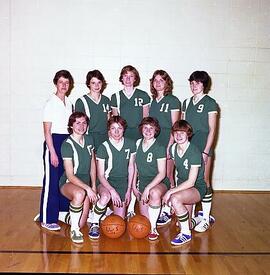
[{"x": 92, "y": 195}]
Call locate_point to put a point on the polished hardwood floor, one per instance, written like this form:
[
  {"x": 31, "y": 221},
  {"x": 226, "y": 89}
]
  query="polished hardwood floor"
[{"x": 238, "y": 243}]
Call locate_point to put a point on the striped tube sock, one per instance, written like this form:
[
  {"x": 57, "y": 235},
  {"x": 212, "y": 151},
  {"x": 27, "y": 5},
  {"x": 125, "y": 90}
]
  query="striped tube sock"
[
  {"x": 75, "y": 215},
  {"x": 99, "y": 210},
  {"x": 64, "y": 217},
  {"x": 184, "y": 223},
  {"x": 207, "y": 203}
]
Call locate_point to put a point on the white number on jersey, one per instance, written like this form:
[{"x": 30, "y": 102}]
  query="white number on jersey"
[
  {"x": 164, "y": 107},
  {"x": 149, "y": 157},
  {"x": 200, "y": 108},
  {"x": 128, "y": 153},
  {"x": 185, "y": 163},
  {"x": 138, "y": 101}
]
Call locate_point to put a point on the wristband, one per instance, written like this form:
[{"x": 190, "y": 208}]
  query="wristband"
[{"x": 205, "y": 154}]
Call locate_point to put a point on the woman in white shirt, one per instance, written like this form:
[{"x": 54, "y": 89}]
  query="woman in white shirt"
[{"x": 55, "y": 119}]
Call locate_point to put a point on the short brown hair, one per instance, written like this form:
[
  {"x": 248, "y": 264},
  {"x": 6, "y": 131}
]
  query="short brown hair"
[
  {"x": 65, "y": 74},
  {"x": 97, "y": 74},
  {"x": 203, "y": 77},
  {"x": 183, "y": 125},
  {"x": 73, "y": 117},
  {"x": 116, "y": 119},
  {"x": 150, "y": 121},
  {"x": 169, "y": 83},
  {"x": 129, "y": 68}
]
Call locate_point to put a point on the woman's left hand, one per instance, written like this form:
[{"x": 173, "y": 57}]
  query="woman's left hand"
[
  {"x": 145, "y": 195},
  {"x": 127, "y": 197}
]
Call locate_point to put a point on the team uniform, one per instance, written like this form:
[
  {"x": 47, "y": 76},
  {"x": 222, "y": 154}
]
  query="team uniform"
[
  {"x": 191, "y": 157},
  {"x": 97, "y": 111},
  {"x": 196, "y": 114},
  {"x": 147, "y": 163},
  {"x": 52, "y": 201},
  {"x": 131, "y": 109},
  {"x": 116, "y": 161},
  {"x": 81, "y": 156},
  {"x": 161, "y": 110}
]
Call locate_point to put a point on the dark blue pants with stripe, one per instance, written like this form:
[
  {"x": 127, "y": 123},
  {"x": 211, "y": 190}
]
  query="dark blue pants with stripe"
[{"x": 52, "y": 201}]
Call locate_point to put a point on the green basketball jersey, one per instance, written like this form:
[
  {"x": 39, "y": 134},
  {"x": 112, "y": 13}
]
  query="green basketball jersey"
[
  {"x": 116, "y": 161},
  {"x": 131, "y": 109},
  {"x": 161, "y": 110},
  {"x": 191, "y": 157},
  {"x": 96, "y": 111},
  {"x": 81, "y": 156},
  {"x": 147, "y": 162},
  {"x": 197, "y": 116}
]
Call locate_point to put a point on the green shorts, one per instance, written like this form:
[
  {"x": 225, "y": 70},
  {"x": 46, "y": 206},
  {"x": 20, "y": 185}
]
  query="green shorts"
[
  {"x": 143, "y": 182},
  {"x": 200, "y": 186},
  {"x": 120, "y": 185},
  {"x": 83, "y": 177}
]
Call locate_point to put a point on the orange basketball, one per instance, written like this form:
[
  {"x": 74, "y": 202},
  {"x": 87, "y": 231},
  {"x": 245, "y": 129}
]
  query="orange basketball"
[
  {"x": 113, "y": 226},
  {"x": 139, "y": 226}
]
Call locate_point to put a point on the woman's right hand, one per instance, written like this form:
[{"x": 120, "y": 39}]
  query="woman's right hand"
[
  {"x": 116, "y": 200},
  {"x": 54, "y": 160},
  {"x": 91, "y": 195}
]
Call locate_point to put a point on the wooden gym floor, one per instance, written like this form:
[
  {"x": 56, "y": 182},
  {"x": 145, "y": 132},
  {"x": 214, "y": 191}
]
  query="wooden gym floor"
[{"x": 238, "y": 243}]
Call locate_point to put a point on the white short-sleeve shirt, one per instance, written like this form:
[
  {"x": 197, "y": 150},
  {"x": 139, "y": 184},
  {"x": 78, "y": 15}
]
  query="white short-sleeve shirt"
[{"x": 57, "y": 113}]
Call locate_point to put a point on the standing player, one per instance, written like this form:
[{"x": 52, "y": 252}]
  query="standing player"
[
  {"x": 190, "y": 185},
  {"x": 115, "y": 169},
  {"x": 55, "y": 119},
  {"x": 96, "y": 106},
  {"x": 80, "y": 173},
  {"x": 201, "y": 112},
  {"x": 151, "y": 169},
  {"x": 132, "y": 104},
  {"x": 166, "y": 108}
]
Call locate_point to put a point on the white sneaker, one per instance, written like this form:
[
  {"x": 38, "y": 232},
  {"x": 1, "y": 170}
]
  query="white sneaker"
[
  {"x": 202, "y": 226},
  {"x": 76, "y": 236}
]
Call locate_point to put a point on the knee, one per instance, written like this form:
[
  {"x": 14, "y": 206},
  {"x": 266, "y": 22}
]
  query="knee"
[
  {"x": 175, "y": 200},
  {"x": 105, "y": 198},
  {"x": 154, "y": 195},
  {"x": 79, "y": 195}
]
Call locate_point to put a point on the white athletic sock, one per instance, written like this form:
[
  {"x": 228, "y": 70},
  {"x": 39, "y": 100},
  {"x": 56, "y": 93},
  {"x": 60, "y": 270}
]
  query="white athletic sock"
[
  {"x": 64, "y": 217},
  {"x": 75, "y": 215},
  {"x": 99, "y": 210},
  {"x": 207, "y": 203},
  {"x": 184, "y": 224},
  {"x": 153, "y": 212}
]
